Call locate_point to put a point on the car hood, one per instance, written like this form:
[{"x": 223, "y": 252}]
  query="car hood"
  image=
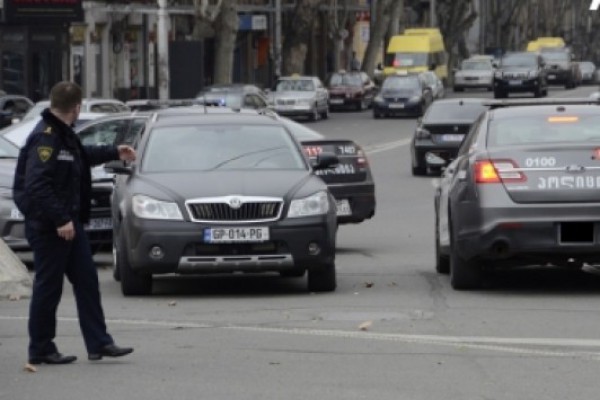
[
  {"x": 7, "y": 171},
  {"x": 399, "y": 93},
  {"x": 189, "y": 185},
  {"x": 517, "y": 70}
]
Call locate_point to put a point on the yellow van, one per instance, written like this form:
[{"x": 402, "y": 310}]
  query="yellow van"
[
  {"x": 417, "y": 50},
  {"x": 539, "y": 43}
]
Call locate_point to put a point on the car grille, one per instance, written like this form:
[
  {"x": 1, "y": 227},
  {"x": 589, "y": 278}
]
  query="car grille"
[
  {"x": 515, "y": 75},
  {"x": 396, "y": 99},
  {"x": 235, "y": 209}
]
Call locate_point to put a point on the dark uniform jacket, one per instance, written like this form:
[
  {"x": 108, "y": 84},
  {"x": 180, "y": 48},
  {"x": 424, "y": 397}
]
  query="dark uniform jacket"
[{"x": 53, "y": 182}]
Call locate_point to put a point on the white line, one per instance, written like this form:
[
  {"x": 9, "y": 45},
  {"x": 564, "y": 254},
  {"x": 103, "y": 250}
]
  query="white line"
[
  {"x": 377, "y": 148},
  {"x": 494, "y": 344}
]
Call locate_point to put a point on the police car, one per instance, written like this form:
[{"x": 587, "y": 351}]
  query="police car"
[{"x": 524, "y": 190}]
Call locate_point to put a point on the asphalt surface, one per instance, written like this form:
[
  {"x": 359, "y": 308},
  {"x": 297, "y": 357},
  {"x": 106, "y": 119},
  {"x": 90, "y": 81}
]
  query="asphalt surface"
[{"x": 394, "y": 329}]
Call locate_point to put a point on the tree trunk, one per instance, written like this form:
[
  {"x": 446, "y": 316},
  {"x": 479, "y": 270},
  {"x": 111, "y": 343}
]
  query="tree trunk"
[
  {"x": 226, "y": 26},
  {"x": 297, "y": 36},
  {"x": 381, "y": 22}
]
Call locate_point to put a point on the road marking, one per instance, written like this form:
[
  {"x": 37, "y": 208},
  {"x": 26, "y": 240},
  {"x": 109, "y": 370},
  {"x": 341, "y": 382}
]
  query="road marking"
[
  {"x": 380, "y": 147},
  {"x": 590, "y": 348}
]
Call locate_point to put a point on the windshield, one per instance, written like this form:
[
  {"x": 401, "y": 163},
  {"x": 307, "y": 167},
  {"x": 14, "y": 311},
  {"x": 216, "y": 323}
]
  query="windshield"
[
  {"x": 222, "y": 147},
  {"x": 442, "y": 113},
  {"x": 409, "y": 60},
  {"x": 395, "y": 83},
  {"x": 295, "y": 85},
  {"x": 519, "y": 60},
  {"x": 476, "y": 66},
  {"x": 36, "y": 110},
  {"x": 556, "y": 56},
  {"x": 345, "y": 80},
  {"x": 8, "y": 149},
  {"x": 544, "y": 129}
]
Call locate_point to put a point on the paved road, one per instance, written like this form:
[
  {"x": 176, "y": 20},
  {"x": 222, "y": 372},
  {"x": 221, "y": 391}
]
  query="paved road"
[{"x": 529, "y": 335}]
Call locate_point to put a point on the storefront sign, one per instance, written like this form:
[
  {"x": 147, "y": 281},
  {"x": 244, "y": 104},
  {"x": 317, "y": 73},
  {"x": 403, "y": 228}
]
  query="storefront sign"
[{"x": 46, "y": 11}]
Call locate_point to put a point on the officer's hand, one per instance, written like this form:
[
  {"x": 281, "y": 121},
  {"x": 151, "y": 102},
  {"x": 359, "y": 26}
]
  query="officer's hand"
[
  {"x": 126, "y": 153},
  {"x": 67, "y": 231}
]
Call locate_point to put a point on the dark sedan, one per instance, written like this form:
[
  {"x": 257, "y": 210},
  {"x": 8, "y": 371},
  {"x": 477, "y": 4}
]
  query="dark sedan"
[
  {"x": 402, "y": 95},
  {"x": 350, "y": 90},
  {"x": 523, "y": 191},
  {"x": 222, "y": 193},
  {"x": 440, "y": 132}
]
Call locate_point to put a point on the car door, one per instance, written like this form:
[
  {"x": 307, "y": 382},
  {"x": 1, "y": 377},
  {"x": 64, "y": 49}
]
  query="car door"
[{"x": 322, "y": 95}]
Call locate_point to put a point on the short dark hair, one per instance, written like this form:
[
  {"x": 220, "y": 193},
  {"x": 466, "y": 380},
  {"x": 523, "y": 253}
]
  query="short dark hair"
[{"x": 65, "y": 96}]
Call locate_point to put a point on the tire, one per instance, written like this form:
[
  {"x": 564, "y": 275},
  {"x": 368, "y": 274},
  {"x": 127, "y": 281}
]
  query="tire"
[
  {"x": 538, "y": 92},
  {"x": 418, "y": 170},
  {"x": 325, "y": 114},
  {"x": 132, "y": 283},
  {"x": 442, "y": 261},
  {"x": 464, "y": 275},
  {"x": 315, "y": 114},
  {"x": 322, "y": 278},
  {"x": 116, "y": 270}
]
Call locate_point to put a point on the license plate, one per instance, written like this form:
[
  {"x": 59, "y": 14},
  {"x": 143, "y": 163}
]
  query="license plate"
[
  {"x": 343, "y": 207},
  {"x": 98, "y": 224},
  {"x": 396, "y": 105},
  {"x": 452, "y": 137},
  {"x": 515, "y": 83},
  {"x": 236, "y": 235},
  {"x": 551, "y": 76},
  {"x": 336, "y": 101}
]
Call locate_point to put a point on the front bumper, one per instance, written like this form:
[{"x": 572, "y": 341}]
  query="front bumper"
[
  {"x": 295, "y": 111},
  {"x": 407, "y": 108},
  {"x": 185, "y": 252},
  {"x": 344, "y": 102},
  {"x": 517, "y": 85}
]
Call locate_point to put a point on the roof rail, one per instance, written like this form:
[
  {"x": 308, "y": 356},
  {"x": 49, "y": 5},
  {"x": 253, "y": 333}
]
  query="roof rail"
[{"x": 555, "y": 101}]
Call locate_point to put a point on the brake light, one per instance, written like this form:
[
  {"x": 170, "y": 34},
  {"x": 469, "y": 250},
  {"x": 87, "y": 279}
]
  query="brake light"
[
  {"x": 496, "y": 171},
  {"x": 396, "y": 63},
  {"x": 562, "y": 119},
  {"x": 361, "y": 159}
]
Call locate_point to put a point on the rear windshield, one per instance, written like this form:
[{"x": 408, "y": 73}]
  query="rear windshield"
[
  {"x": 439, "y": 113},
  {"x": 544, "y": 129}
]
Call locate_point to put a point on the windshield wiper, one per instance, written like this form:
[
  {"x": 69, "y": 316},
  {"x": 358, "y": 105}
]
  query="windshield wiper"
[{"x": 224, "y": 162}]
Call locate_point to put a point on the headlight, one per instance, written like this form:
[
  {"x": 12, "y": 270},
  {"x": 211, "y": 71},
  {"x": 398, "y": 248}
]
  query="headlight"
[
  {"x": 316, "y": 204},
  {"x": 378, "y": 99},
  {"x": 422, "y": 133},
  {"x": 498, "y": 74},
  {"x": 149, "y": 208},
  {"x": 414, "y": 99}
]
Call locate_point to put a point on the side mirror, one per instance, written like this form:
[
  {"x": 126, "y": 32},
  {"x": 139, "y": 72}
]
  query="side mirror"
[
  {"x": 118, "y": 167},
  {"x": 325, "y": 160}
]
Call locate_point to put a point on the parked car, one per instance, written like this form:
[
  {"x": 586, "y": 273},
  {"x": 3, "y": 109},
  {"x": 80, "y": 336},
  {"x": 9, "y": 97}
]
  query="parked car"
[
  {"x": 475, "y": 73},
  {"x": 520, "y": 72},
  {"x": 440, "y": 132},
  {"x": 524, "y": 190},
  {"x": 402, "y": 94},
  {"x": 88, "y": 105},
  {"x": 435, "y": 84},
  {"x": 350, "y": 90},
  {"x": 301, "y": 96},
  {"x": 218, "y": 193},
  {"x": 12, "y": 108},
  {"x": 234, "y": 96},
  {"x": 588, "y": 71}
]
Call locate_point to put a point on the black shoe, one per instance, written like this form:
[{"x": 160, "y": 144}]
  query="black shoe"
[
  {"x": 54, "y": 358},
  {"x": 110, "y": 350}
]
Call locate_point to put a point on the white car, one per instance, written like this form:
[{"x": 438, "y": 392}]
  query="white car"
[
  {"x": 435, "y": 84},
  {"x": 474, "y": 73},
  {"x": 18, "y": 133},
  {"x": 301, "y": 96},
  {"x": 90, "y": 105}
]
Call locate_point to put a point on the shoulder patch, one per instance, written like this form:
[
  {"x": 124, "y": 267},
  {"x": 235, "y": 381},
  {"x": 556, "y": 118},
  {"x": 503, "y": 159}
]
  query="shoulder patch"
[
  {"x": 44, "y": 152},
  {"x": 48, "y": 130}
]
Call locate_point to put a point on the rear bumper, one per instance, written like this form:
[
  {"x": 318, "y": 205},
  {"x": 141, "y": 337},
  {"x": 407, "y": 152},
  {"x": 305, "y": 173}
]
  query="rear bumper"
[
  {"x": 516, "y": 237},
  {"x": 361, "y": 198},
  {"x": 415, "y": 109}
]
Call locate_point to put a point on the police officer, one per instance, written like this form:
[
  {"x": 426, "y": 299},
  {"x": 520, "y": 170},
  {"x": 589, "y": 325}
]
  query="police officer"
[{"x": 52, "y": 189}]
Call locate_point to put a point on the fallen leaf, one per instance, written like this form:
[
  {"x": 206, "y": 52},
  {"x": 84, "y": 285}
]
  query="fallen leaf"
[
  {"x": 369, "y": 284},
  {"x": 172, "y": 304},
  {"x": 14, "y": 297},
  {"x": 365, "y": 325},
  {"x": 29, "y": 368}
]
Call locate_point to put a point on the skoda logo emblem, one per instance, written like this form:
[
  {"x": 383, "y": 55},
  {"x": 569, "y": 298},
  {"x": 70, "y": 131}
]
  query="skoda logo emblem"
[
  {"x": 235, "y": 203},
  {"x": 456, "y": 129}
]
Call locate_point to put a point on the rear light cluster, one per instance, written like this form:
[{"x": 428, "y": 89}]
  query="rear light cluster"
[
  {"x": 498, "y": 171},
  {"x": 422, "y": 133},
  {"x": 361, "y": 159}
]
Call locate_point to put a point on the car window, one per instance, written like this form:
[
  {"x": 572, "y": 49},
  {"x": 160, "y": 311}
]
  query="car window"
[
  {"x": 21, "y": 106},
  {"x": 103, "y": 133},
  {"x": 222, "y": 147},
  {"x": 135, "y": 130},
  {"x": 543, "y": 129},
  {"x": 299, "y": 85},
  {"x": 471, "y": 138},
  {"x": 440, "y": 112},
  {"x": 401, "y": 83}
]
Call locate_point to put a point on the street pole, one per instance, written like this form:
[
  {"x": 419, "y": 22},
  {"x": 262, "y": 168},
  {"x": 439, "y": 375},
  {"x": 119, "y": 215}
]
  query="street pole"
[
  {"x": 432, "y": 16},
  {"x": 163, "y": 51},
  {"x": 277, "y": 38}
]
